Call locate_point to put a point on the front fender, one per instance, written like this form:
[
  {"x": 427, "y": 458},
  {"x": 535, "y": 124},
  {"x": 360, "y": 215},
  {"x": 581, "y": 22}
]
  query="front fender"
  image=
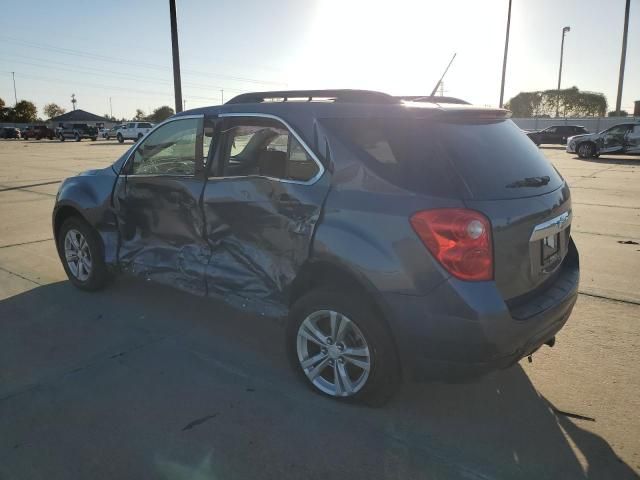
[{"x": 89, "y": 196}]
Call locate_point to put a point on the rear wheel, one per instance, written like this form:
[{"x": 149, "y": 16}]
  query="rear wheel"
[
  {"x": 120, "y": 138},
  {"x": 61, "y": 137},
  {"x": 341, "y": 348},
  {"x": 139, "y": 136},
  {"x": 81, "y": 254},
  {"x": 77, "y": 137},
  {"x": 586, "y": 150}
]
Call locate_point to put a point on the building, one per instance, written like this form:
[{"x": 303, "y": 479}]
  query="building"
[{"x": 80, "y": 116}]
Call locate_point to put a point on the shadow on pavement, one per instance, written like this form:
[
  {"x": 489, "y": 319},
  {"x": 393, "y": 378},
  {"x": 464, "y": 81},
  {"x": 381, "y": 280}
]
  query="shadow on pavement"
[
  {"x": 141, "y": 381},
  {"x": 613, "y": 160}
]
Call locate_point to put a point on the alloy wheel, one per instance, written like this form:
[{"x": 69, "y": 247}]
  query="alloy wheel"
[
  {"x": 77, "y": 255},
  {"x": 333, "y": 353}
]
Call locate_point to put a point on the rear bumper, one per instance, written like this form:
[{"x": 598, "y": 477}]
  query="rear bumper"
[{"x": 465, "y": 329}]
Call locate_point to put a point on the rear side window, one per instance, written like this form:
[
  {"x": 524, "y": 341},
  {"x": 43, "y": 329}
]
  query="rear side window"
[{"x": 478, "y": 159}]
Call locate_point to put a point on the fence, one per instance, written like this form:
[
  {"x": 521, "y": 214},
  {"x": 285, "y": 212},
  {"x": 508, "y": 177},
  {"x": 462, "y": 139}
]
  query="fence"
[{"x": 592, "y": 124}]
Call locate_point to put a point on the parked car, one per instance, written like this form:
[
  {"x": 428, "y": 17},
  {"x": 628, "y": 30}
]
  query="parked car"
[
  {"x": 9, "y": 132},
  {"x": 77, "y": 131},
  {"x": 112, "y": 132},
  {"x": 619, "y": 139},
  {"x": 133, "y": 131},
  {"x": 38, "y": 132},
  {"x": 556, "y": 134},
  {"x": 397, "y": 240}
]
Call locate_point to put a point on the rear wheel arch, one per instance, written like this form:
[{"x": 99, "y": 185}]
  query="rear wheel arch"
[{"x": 329, "y": 275}]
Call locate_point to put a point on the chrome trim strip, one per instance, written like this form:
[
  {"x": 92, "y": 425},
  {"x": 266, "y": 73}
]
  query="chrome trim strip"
[
  {"x": 550, "y": 227},
  {"x": 168, "y": 120},
  {"x": 310, "y": 152}
]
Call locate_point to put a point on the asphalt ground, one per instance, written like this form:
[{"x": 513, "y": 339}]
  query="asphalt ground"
[{"x": 141, "y": 381}]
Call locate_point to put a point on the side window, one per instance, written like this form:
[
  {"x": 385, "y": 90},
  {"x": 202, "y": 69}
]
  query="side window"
[
  {"x": 551, "y": 130},
  {"x": 130, "y": 125},
  {"x": 265, "y": 148},
  {"x": 170, "y": 150}
]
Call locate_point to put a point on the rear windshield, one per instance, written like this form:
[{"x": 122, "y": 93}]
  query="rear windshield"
[{"x": 480, "y": 159}]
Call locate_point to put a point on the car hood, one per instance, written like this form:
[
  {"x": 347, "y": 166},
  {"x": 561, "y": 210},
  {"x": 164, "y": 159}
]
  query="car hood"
[{"x": 583, "y": 136}]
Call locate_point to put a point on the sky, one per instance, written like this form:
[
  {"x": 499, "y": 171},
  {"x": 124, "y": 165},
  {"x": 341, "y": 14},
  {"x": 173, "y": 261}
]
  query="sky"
[{"x": 115, "y": 56}]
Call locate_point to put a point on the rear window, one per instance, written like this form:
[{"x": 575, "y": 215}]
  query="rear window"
[{"x": 478, "y": 159}]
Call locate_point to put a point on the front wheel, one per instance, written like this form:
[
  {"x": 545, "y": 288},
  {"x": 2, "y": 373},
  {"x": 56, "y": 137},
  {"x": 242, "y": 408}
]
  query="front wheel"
[
  {"x": 77, "y": 137},
  {"x": 93, "y": 139},
  {"x": 61, "y": 137},
  {"x": 342, "y": 348},
  {"x": 586, "y": 150},
  {"x": 139, "y": 137},
  {"x": 120, "y": 138},
  {"x": 81, "y": 253}
]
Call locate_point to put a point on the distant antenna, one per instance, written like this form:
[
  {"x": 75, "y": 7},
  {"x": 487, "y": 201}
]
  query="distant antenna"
[
  {"x": 435, "y": 89},
  {"x": 73, "y": 100}
]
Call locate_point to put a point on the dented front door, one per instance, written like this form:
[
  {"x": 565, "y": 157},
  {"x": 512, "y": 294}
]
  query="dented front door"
[
  {"x": 260, "y": 222},
  {"x": 156, "y": 202}
]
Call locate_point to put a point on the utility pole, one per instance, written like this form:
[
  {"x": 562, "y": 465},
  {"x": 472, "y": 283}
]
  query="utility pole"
[
  {"x": 184, "y": 104},
  {"x": 15, "y": 96},
  {"x": 177, "y": 84},
  {"x": 221, "y": 96},
  {"x": 504, "y": 60},
  {"x": 110, "y": 107},
  {"x": 623, "y": 56},
  {"x": 564, "y": 32}
]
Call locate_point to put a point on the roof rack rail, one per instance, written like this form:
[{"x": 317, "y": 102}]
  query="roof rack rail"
[
  {"x": 341, "y": 95},
  {"x": 433, "y": 99}
]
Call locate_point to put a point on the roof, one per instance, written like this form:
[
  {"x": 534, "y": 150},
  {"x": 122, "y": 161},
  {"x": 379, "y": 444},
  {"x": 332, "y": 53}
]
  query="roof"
[{"x": 79, "y": 116}]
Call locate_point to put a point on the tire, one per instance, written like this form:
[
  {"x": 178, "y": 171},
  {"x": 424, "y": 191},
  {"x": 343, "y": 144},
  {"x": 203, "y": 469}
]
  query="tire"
[
  {"x": 370, "y": 338},
  {"x": 586, "y": 150},
  {"x": 77, "y": 137},
  {"x": 120, "y": 138},
  {"x": 93, "y": 139},
  {"x": 91, "y": 277},
  {"x": 61, "y": 137},
  {"x": 139, "y": 137}
]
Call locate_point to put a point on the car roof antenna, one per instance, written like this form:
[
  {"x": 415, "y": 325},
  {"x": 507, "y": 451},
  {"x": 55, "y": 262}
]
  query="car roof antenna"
[{"x": 435, "y": 89}]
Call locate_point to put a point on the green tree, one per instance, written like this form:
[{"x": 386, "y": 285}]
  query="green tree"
[
  {"x": 571, "y": 102},
  {"x": 3, "y": 110},
  {"x": 621, "y": 113},
  {"x": 160, "y": 114},
  {"x": 139, "y": 115},
  {"x": 53, "y": 110},
  {"x": 24, "y": 112}
]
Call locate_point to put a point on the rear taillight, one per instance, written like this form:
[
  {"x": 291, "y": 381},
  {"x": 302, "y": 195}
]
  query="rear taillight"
[{"x": 459, "y": 239}]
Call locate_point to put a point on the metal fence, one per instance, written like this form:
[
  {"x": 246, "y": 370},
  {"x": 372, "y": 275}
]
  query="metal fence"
[{"x": 592, "y": 124}]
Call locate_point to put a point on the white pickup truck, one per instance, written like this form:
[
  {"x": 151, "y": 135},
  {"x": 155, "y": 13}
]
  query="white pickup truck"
[{"x": 133, "y": 131}]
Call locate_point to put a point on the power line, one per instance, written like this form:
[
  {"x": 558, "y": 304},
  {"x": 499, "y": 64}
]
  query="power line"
[{"x": 106, "y": 58}]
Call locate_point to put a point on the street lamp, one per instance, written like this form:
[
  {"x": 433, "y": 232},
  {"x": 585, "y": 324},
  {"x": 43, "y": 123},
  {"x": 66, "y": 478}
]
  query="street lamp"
[{"x": 564, "y": 32}]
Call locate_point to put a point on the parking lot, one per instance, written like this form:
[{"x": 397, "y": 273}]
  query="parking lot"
[{"x": 141, "y": 381}]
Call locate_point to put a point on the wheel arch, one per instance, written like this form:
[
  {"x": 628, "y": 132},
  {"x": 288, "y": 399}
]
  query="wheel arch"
[{"x": 318, "y": 273}]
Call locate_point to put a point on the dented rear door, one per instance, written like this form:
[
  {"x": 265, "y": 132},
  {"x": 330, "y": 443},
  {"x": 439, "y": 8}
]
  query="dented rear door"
[{"x": 260, "y": 220}]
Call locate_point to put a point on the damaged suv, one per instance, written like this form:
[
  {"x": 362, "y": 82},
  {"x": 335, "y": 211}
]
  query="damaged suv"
[{"x": 400, "y": 239}]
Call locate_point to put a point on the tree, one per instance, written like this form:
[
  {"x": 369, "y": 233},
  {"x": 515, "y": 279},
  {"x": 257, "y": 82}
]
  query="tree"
[
  {"x": 160, "y": 114},
  {"x": 3, "y": 111},
  {"x": 572, "y": 102},
  {"x": 24, "y": 112},
  {"x": 53, "y": 110},
  {"x": 139, "y": 115},
  {"x": 1, "y": 104},
  {"x": 621, "y": 113}
]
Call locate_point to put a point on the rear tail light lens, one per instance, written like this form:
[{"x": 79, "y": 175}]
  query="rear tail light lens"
[{"x": 459, "y": 239}]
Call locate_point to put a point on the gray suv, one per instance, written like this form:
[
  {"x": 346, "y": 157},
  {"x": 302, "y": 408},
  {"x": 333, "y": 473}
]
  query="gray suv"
[{"x": 399, "y": 239}]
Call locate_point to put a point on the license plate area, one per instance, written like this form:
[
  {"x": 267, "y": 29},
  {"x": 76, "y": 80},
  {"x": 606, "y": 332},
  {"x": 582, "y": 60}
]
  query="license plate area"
[{"x": 548, "y": 244}]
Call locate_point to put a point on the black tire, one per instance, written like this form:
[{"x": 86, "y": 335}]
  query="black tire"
[
  {"x": 77, "y": 137},
  {"x": 93, "y": 139},
  {"x": 139, "y": 137},
  {"x": 586, "y": 150},
  {"x": 384, "y": 374},
  {"x": 61, "y": 137},
  {"x": 120, "y": 138},
  {"x": 98, "y": 276}
]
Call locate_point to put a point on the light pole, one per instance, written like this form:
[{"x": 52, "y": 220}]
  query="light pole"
[
  {"x": 504, "y": 60},
  {"x": 177, "y": 83},
  {"x": 15, "y": 96},
  {"x": 564, "y": 32},
  {"x": 623, "y": 57}
]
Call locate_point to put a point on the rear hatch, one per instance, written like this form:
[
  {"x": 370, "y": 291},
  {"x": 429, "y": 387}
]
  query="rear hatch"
[{"x": 482, "y": 158}]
